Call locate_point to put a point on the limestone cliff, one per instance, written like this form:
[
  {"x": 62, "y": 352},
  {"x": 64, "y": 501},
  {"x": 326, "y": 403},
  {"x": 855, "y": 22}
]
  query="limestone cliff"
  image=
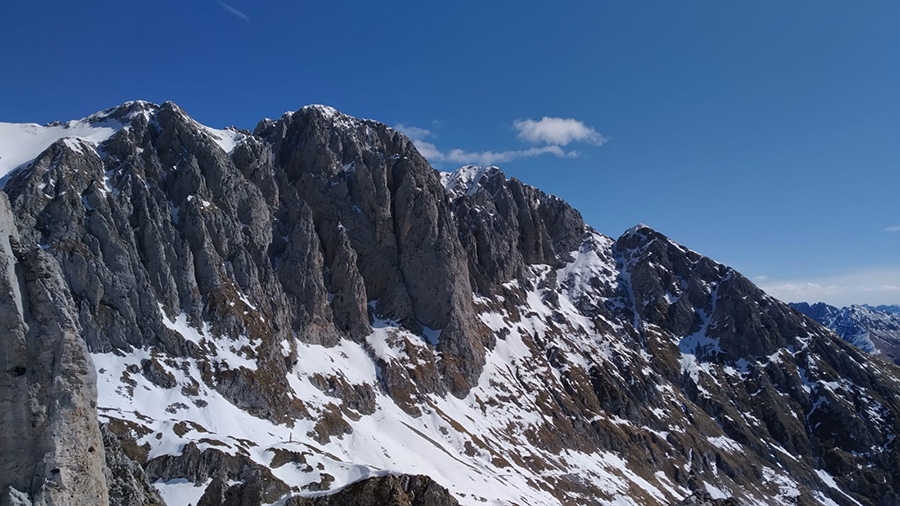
[{"x": 51, "y": 452}]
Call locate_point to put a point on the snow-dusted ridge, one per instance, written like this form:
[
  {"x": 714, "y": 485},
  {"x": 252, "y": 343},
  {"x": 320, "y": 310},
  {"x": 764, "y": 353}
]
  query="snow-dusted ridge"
[{"x": 20, "y": 143}]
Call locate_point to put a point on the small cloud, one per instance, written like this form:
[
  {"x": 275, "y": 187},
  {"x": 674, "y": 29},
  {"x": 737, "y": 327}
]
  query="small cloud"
[
  {"x": 761, "y": 279},
  {"x": 495, "y": 157},
  {"x": 895, "y": 228},
  {"x": 463, "y": 157},
  {"x": 428, "y": 150},
  {"x": 557, "y": 131},
  {"x": 413, "y": 132},
  {"x": 231, "y": 10}
]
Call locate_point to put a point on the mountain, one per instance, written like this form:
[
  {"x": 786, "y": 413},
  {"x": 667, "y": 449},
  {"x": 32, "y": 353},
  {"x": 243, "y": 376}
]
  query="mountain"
[
  {"x": 871, "y": 329},
  {"x": 310, "y": 314},
  {"x": 886, "y": 309}
]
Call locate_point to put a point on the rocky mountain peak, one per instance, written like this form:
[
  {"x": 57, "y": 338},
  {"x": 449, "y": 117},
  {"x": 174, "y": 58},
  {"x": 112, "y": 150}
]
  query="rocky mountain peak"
[
  {"x": 126, "y": 112},
  {"x": 242, "y": 318},
  {"x": 723, "y": 312}
]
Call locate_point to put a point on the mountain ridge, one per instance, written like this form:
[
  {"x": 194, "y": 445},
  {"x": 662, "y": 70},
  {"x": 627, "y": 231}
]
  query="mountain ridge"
[
  {"x": 307, "y": 306},
  {"x": 872, "y": 329}
]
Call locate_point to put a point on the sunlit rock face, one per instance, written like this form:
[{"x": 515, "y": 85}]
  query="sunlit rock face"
[{"x": 309, "y": 313}]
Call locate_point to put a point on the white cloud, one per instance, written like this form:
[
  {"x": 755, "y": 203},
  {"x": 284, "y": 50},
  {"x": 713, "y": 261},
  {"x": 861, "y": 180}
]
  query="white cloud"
[
  {"x": 428, "y": 150},
  {"x": 413, "y": 132},
  {"x": 557, "y": 131},
  {"x": 232, "y": 10},
  {"x": 867, "y": 286},
  {"x": 463, "y": 157},
  {"x": 553, "y": 132},
  {"x": 495, "y": 157},
  {"x": 895, "y": 228}
]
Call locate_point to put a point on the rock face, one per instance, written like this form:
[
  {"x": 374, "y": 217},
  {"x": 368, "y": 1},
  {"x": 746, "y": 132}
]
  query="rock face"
[
  {"x": 871, "y": 329},
  {"x": 370, "y": 192},
  {"x": 52, "y": 452},
  {"x": 505, "y": 225},
  {"x": 311, "y": 309}
]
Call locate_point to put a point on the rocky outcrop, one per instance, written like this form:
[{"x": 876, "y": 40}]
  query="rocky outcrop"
[
  {"x": 52, "y": 452},
  {"x": 396, "y": 490},
  {"x": 197, "y": 466},
  {"x": 247, "y": 493},
  {"x": 505, "y": 225},
  {"x": 720, "y": 317},
  {"x": 705, "y": 499},
  {"x": 308, "y": 222},
  {"x": 128, "y": 484}
]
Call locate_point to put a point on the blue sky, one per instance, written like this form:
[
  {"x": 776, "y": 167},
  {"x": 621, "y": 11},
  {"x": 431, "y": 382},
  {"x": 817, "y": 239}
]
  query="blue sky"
[{"x": 763, "y": 134}]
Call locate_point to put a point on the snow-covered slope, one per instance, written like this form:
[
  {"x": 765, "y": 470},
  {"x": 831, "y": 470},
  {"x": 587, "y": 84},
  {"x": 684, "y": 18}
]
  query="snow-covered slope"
[
  {"x": 465, "y": 179},
  {"x": 22, "y": 142}
]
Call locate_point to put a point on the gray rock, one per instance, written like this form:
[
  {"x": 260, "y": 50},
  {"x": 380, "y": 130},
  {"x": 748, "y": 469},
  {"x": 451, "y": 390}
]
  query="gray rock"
[
  {"x": 197, "y": 466},
  {"x": 348, "y": 304},
  {"x": 52, "y": 449},
  {"x": 365, "y": 180},
  {"x": 505, "y": 225},
  {"x": 128, "y": 485},
  {"x": 219, "y": 493},
  {"x": 705, "y": 499},
  {"x": 398, "y": 490},
  {"x": 214, "y": 495},
  {"x": 156, "y": 374}
]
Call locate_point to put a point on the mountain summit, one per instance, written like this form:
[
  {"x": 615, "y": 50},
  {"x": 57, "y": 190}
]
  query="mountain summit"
[{"x": 309, "y": 314}]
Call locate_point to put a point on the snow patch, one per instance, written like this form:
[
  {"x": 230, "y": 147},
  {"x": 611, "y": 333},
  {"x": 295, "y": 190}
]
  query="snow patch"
[{"x": 227, "y": 139}]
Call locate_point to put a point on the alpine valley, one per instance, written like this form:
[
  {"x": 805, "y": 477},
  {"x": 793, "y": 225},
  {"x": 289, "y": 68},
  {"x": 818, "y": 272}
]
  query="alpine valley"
[{"x": 310, "y": 314}]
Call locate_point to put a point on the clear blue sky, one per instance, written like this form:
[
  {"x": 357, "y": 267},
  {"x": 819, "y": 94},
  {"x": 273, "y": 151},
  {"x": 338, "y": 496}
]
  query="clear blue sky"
[{"x": 763, "y": 134}]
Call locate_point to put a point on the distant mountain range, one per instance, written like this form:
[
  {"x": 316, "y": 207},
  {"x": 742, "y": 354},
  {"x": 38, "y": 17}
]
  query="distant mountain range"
[
  {"x": 886, "y": 309},
  {"x": 874, "y": 329}
]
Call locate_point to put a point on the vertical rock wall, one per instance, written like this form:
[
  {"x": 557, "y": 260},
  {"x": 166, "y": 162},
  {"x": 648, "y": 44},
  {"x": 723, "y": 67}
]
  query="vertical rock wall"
[{"x": 51, "y": 451}]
